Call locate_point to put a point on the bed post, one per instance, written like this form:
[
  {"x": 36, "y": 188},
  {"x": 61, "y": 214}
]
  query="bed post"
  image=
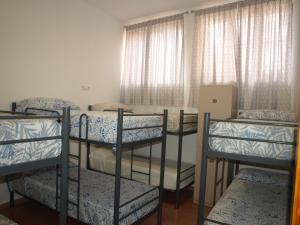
[
  {"x": 237, "y": 167},
  {"x": 118, "y": 167},
  {"x": 88, "y": 146},
  {"x": 203, "y": 174},
  {"x": 88, "y": 151},
  {"x": 11, "y": 198},
  {"x": 63, "y": 216},
  {"x": 13, "y": 106},
  {"x": 11, "y": 193},
  {"x": 162, "y": 166},
  {"x": 179, "y": 159}
]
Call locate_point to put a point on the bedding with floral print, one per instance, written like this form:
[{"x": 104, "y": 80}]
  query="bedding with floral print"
[{"x": 45, "y": 103}]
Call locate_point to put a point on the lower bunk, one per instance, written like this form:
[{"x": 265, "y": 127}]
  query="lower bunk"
[
  {"x": 6, "y": 221},
  {"x": 96, "y": 205},
  {"x": 141, "y": 168},
  {"x": 254, "y": 197}
]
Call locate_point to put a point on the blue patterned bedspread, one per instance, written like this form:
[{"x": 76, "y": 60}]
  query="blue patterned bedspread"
[
  {"x": 96, "y": 196},
  {"x": 5, "y": 221},
  {"x": 254, "y": 198},
  {"x": 251, "y": 148},
  {"x": 103, "y": 126},
  {"x": 31, "y": 151}
]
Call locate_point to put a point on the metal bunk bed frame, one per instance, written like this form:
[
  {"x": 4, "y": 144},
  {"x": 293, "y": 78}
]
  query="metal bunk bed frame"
[
  {"x": 237, "y": 158},
  {"x": 60, "y": 160},
  {"x": 181, "y": 133},
  {"x": 119, "y": 146}
]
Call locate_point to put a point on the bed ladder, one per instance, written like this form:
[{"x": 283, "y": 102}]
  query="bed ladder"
[
  {"x": 140, "y": 172},
  {"x": 73, "y": 180},
  {"x": 219, "y": 181},
  {"x": 77, "y": 159}
]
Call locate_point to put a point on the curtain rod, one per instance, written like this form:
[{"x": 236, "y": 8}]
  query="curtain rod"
[
  {"x": 189, "y": 11},
  {"x": 157, "y": 19},
  {"x": 173, "y": 13},
  {"x": 228, "y": 4},
  {"x": 217, "y": 5}
]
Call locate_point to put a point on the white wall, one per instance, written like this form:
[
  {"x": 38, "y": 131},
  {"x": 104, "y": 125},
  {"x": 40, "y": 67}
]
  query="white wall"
[{"x": 52, "y": 48}]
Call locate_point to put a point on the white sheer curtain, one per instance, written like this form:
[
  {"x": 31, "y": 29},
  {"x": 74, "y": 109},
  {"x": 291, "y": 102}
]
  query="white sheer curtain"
[
  {"x": 153, "y": 63},
  {"x": 266, "y": 55},
  {"x": 251, "y": 48},
  {"x": 215, "y": 52}
]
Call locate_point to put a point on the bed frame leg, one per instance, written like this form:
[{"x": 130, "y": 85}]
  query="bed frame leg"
[
  {"x": 118, "y": 168},
  {"x": 64, "y": 185},
  {"x": 237, "y": 167},
  {"x": 88, "y": 151},
  {"x": 11, "y": 199},
  {"x": 162, "y": 167},
  {"x": 205, "y": 148},
  {"x": 179, "y": 159},
  {"x": 13, "y": 106}
]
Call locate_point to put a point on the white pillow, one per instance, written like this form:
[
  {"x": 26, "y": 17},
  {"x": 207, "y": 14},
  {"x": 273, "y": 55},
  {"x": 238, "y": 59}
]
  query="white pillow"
[
  {"x": 268, "y": 115},
  {"x": 45, "y": 103}
]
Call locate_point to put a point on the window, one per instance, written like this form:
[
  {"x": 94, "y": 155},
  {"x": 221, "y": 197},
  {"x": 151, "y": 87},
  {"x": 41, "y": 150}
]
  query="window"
[
  {"x": 153, "y": 63},
  {"x": 248, "y": 44}
]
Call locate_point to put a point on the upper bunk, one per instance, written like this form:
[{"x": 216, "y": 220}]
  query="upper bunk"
[
  {"x": 261, "y": 137},
  {"x": 101, "y": 127},
  {"x": 29, "y": 141},
  {"x": 180, "y": 122}
]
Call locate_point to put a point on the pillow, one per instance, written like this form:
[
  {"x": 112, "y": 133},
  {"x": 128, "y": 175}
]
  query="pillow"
[
  {"x": 109, "y": 106},
  {"x": 269, "y": 115},
  {"x": 45, "y": 103}
]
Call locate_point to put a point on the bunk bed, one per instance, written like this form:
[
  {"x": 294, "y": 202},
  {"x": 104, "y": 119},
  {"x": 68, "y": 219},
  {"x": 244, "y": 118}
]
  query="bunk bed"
[
  {"x": 178, "y": 174},
  {"x": 254, "y": 196},
  {"x": 29, "y": 142},
  {"x": 98, "y": 198}
]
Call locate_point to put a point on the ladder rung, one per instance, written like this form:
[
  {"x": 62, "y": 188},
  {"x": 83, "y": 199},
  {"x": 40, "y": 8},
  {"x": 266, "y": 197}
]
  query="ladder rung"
[
  {"x": 73, "y": 179},
  {"x": 73, "y": 156},
  {"x": 72, "y": 203},
  {"x": 135, "y": 171},
  {"x": 219, "y": 181}
]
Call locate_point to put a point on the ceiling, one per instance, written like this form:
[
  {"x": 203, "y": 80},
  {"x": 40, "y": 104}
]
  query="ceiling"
[{"x": 126, "y": 10}]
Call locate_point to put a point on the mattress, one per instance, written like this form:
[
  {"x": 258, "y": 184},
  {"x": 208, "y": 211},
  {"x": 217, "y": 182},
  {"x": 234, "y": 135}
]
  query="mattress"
[
  {"x": 265, "y": 114},
  {"x": 250, "y": 200},
  {"x": 103, "y": 127},
  {"x": 173, "y": 118},
  {"x": 96, "y": 195},
  {"x": 174, "y": 122},
  {"x": 103, "y": 159},
  {"x": 5, "y": 221},
  {"x": 31, "y": 151},
  {"x": 254, "y": 131}
]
